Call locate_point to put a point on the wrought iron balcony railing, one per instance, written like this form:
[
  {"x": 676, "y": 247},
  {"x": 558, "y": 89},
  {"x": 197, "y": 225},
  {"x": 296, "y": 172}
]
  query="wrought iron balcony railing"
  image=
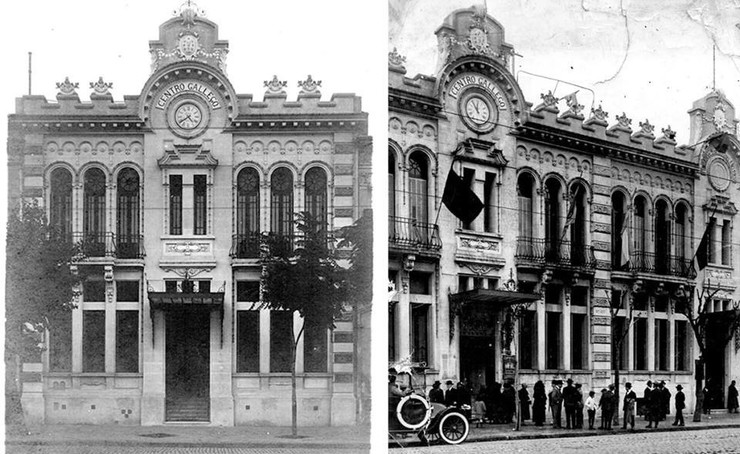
[
  {"x": 129, "y": 246},
  {"x": 553, "y": 252},
  {"x": 246, "y": 245},
  {"x": 664, "y": 265},
  {"x": 410, "y": 233},
  {"x": 95, "y": 244}
]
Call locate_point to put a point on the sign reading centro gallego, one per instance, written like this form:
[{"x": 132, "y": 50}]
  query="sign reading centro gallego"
[
  {"x": 181, "y": 87},
  {"x": 484, "y": 83}
]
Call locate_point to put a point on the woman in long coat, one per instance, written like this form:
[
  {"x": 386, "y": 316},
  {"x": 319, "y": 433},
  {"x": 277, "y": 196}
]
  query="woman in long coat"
[
  {"x": 524, "y": 402},
  {"x": 732, "y": 402},
  {"x": 540, "y": 403}
]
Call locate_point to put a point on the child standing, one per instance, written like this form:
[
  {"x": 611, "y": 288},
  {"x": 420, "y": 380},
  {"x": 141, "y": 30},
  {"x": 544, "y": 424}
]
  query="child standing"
[{"x": 591, "y": 408}]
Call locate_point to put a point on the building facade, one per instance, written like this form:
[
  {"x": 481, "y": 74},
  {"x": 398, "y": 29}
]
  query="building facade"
[
  {"x": 583, "y": 220},
  {"x": 168, "y": 193}
]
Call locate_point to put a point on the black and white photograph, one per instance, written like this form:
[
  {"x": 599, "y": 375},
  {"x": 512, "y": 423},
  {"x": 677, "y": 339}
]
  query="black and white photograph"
[
  {"x": 189, "y": 225},
  {"x": 562, "y": 193}
]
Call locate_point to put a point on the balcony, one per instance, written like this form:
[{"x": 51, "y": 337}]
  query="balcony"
[
  {"x": 129, "y": 246},
  {"x": 565, "y": 254},
  {"x": 246, "y": 246},
  {"x": 412, "y": 235},
  {"x": 663, "y": 265},
  {"x": 106, "y": 244}
]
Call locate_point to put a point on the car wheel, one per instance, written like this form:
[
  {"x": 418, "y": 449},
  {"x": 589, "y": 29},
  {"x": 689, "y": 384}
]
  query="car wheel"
[{"x": 453, "y": 428}]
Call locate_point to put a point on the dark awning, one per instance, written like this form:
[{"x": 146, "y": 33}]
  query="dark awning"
[
  {"x": 175, "y": 300},
  {"x": 495, "y": 298}
]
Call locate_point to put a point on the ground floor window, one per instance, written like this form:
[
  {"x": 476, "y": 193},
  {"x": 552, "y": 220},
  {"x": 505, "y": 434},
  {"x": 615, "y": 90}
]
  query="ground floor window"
[
  {"x": 93, "y": 341},
  {"x": 248, "y": 341},
  {"x": 578, "y": 343},
  {"x": 552, "y": 333},
  {"x": 60, "y": 344},
  {"x": 419, "y": 333},
  {"x": 640, "y": 344},
  {"x": 314, "y": 346},
  {"x": 281, "y": 337},
  {"x": 681, "y": 352},
  {"x": 661, "y": 344},
  {"x": 127, "y": 341},
  {"x": 528, "y": 340}
]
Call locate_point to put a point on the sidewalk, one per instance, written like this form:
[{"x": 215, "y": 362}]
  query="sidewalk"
[
  {"x": 494, "y": 432},
  {"x": 185, "y": 435}
]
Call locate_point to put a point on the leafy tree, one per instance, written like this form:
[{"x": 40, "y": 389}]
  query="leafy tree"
[
  {"x": 40, "y": 288},
  {"x": 306, "y": 280}
]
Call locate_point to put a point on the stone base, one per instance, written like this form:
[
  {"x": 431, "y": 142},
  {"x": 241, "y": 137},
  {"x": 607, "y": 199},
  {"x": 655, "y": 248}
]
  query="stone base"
[
  {"x": 32, "y": 401},
  {"x": 343, "y": 410}
]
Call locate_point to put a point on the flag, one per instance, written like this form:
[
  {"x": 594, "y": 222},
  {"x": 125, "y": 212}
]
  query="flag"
[
  {"x": 571, "y": 218},
  {"x": 571, "y": 99},
  {"x": 702, "y": 252},
  {"x": 625, "y": 252},
  {"x": 460, "y": 199},
  {"x": 724, "y": 142}
]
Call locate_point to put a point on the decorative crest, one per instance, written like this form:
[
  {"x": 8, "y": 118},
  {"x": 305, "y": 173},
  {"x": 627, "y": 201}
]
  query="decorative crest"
[
  {"x": 548, "y": 99},
  {"x": 189, "y": 11},
  {"x": 669, "y": 133},
  {"x": 646, "y": 128},
  {"x": 599, "y": 113},
  {"x": 395, "y": 59},
  {"x": 478, "y": 36},
  {"x": 309, "y": 85},
  {"x": 100, "y": 87},
  {"x": 623, "y": 121},
  {"x": 275, "y": 85},
  {"x": 67, "y": 87}
]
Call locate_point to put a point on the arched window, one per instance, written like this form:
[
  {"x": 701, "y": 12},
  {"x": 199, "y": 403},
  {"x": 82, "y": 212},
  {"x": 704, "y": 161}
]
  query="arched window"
[
  {"x": 553, "y": 224},
  {"x": 391, "y": 183},
  {"x": 641, "y": 234},
  {"x": 577, "y": 221},
  {"x": 247, "y": 213},
  {"x": 525, "y": 192},
  {"x": 662, "y": 237},
  {"x": 316, "y": 198},
  {"x": 620, "y": 222},
  {"x": 128, "y": 239},
  {"x": 418, "y": 186},
  {"x": 681, "y": 240},
  {"x": 93, "y": 221},
  {"x": 281, "y": 202},
  {"x": 60, "y": 203}
]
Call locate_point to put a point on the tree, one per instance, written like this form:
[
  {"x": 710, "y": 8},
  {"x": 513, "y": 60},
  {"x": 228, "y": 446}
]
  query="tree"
[
  {"x": 40, "y": 289},
  {"x": 700, "y": 319},
  {"x": 619, "y": 335},
  {"x": 306, "y": 280}
]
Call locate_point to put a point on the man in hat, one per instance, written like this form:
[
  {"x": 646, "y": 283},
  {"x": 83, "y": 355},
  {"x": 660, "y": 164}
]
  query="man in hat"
[
  {"x": 629, "y": 406},
  {"x": 665, "y": 396},
  {"x": 680, "y": 405},
  {"x": 556, "y": 403},
  {"x": 450, "y": 394},
  {"x": 570, "y": 399},
  {"x": 646, "y": 400},
  {"x": 436, "y": 394}
]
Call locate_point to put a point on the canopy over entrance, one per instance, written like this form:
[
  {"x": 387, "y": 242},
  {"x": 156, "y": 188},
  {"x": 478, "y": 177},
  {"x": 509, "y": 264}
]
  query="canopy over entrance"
[{"x": 178, "y": 301}]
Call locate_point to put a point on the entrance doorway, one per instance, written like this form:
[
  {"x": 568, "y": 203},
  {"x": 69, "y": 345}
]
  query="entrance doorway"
[
  {"x": 478, "y": 348},
  {"x": 718, "y": 326},
  {"x": 187, "y": 362}
]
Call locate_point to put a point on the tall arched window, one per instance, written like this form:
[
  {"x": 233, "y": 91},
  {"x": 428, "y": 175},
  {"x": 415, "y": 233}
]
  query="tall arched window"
[
  {"x": 620, "y": 251},
  {"x": 60, "y": 203},
  {"x": 662, "y": 237},
  {"x": 93, "y": 222},
  {"x": 391, "y": 183},
  {"x": 525, "y": 192},
  {"x": 579, "y": 253},
  {"x": 553, "y": 224},
  {"x": 128, "y": 240},
  {"x": 316, "y": 198},
  {"x": 641, "y": 234},
  {"x": 281, "y": 203},
  {"x": 681, "y": 239},
  {"x": 247, "y": 213},
  {"x": 418, "y": 186}
]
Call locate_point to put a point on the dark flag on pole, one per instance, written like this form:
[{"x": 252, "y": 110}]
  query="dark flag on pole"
[
  {"x": 702, "y": 252},
  {"x": 460, "y": 199},
  {"x": 724, "y": 142}
]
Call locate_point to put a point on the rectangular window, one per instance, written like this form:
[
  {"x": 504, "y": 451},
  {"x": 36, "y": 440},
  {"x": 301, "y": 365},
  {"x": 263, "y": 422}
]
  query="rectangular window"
[
  {"x": 681, "y": 358},
  {"x": 578, "y": 341},
  {"x": 175, "y": 204},
  {"x": 640, "y": 301},
  {"x": 661, "y": 344},
  {"x": 468, "y": 179},
  {"x": 661, "y": 303},
  {"x": 281, "y": 336},
  {"x": 248, "y": 341},
  {"x": 127, "y": 291},
  {"x": 489, "y": 203},
  {"x": 392, "y": 332},
  {"x": 60, "y": 344},
  {"x": 726, "y": 243},
  {"x": 419, "y": 333},
  {"x": 93, "y": 291},
  {"x": 200, "y": 204},
  {"x": 127, "y": 341},
  {"x": 204, "y": 286},
  {"x": 640, "y": 352},
  {"x": 712, "y": 243},
  {"x": 314, "y": 347},
  {"x": 170, "y": 286},
  {"x": 248, "y": 291},
  {"x": 552, "y": 333},
  {"x": 579, "y": 296},
  {"x": 619, "y": 340},
  {"x": 93, "y": 341},
  {"x": 419, "y": 283},
  {"x": 528, "y": 340}
]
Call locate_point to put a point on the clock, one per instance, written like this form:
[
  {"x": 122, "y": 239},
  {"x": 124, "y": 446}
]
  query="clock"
[
  {"x": 188, "y": 116},
  {"x": 477, "y": 110}
]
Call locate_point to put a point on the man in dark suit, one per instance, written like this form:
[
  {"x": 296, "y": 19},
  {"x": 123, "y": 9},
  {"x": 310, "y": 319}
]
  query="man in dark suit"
[
  {"x": 436, "y": 395},
  {"x": 570, "y": 399},
  {"x": 680, "y": 405},
  {"x": 450, "y": 394}
]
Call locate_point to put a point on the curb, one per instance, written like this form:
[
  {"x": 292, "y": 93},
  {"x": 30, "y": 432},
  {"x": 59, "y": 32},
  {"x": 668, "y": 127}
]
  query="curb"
[{"x": 228, "y": 445}]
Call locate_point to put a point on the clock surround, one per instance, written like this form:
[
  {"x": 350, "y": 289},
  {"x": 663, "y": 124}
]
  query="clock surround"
[{"x": 188, "y": 116}]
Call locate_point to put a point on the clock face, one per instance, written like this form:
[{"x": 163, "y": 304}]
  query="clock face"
[
  {"x": 188, "y": 116},
  {"x": 477, "y": 110}
]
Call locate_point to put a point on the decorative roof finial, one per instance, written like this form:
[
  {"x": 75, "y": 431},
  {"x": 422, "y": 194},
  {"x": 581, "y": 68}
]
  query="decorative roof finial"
[
  {"x": 309, "y": 85},
  {"x": 189, "y": 11},
  {"x": 67, "y": 87},
  {"x": 100, "y": 87},
  {"x": 276, "y": 86}
]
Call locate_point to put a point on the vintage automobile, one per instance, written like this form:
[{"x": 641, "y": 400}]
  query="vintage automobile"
[{"x": 413, "y": 414}]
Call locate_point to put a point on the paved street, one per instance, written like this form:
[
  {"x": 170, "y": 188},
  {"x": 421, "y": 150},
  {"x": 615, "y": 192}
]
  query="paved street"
[
  {"x": 172, "y": 450},
  {"x": 724, "y": 441}
]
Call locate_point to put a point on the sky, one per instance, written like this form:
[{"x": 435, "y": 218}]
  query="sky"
[{"x": 648, "y": 59}]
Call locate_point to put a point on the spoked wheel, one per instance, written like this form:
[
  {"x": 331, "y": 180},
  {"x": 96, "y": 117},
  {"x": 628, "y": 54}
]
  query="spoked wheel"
[{"x": 453, "y": 428}]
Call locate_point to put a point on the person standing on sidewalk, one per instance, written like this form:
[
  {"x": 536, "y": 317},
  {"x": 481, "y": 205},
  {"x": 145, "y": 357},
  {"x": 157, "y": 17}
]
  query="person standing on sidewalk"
[
  {"x": 556, "y": 403},
  {"x": 540, "y": 404},
  {"x": 607, "y": 408},
  {"x": 591, "y": 409},
  {"x": 656, "y": 407},
  {"x": 570, "y": 397},
  {"x": 629, "y": 406},
  {"x": 579, "y": 407},
  {"x": 524, "y": 402},
  {"x": 732, "y": 403},
  {"x": 436, "y": 395},
  {"x": 646, "y": 401},
  {"x": 680, "y": 405},
  {"x": 665, "y": 396}
]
